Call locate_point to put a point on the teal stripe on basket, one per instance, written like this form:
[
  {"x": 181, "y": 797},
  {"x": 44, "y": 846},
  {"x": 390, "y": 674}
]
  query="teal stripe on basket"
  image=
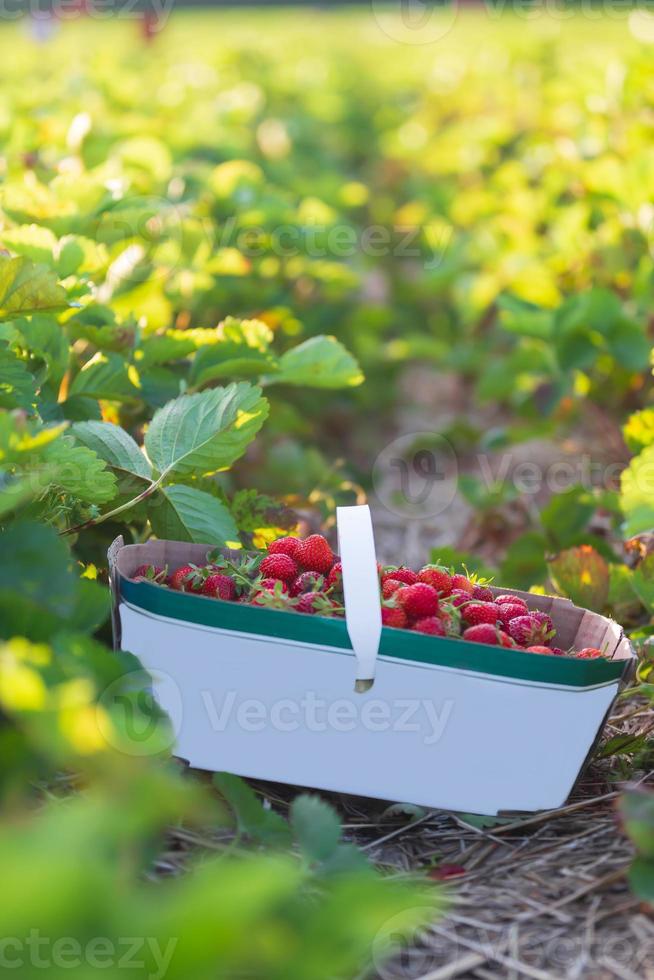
[{"x": 400, "y": 644}]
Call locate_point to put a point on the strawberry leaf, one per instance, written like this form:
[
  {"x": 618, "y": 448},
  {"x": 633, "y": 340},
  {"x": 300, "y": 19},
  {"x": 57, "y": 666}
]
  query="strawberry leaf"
[{"x": 182, "y": 513}]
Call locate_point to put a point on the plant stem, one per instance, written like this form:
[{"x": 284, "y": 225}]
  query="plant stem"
[{"x": 94, "y": 521}]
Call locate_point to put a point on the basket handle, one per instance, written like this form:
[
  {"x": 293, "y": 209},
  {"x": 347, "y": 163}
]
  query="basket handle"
[{"x": 356, "y": 545}]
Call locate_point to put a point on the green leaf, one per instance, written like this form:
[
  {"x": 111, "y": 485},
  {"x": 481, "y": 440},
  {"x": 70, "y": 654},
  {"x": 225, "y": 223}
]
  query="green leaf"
[
  {"x": 203, "y": 433},
  {"x": 182, "y": 513},
  {"x": 524, "y": 318},
  {"x": 39, "y": 570},
  {"x": 28, "y": 288},
  {"x": 252, "y": 819},
  {"x": 161, "y": 349},
  {"x": 44, "y": 338},
  {"x": 637, "y": 493},
  {"x": 641, "y": 879},
  {"x": 17, "y": 386},
  {"x": 316, "y": 827},
  {"x": 581, "y": 574},
  {"x": 321, "y": 362},
  {"x": 629, "y": 345},
  {"x": 77, "y": 471},
  {"x": 524, "y": 563},
  {"x": 241, "y": 349},
  {"x": 115, "y": 446},
  {"x": 642, "y": 582},
  {"x": 637, "y": 811},
  {"x": 567, "y": 514},
  {"x": 106, "y": 376}
]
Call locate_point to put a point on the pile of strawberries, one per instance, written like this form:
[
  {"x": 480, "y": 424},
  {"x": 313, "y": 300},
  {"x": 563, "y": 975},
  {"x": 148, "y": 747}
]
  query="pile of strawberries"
[{"x": 305, "y": 576}]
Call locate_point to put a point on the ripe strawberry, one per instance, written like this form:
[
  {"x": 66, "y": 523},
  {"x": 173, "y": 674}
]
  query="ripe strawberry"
[
  {"x": 504, "y": 639},
  {"x": 431, "y": 625},
  {"x": 482, "y": 633},
  {"x": 418, "y": 600},
  {"x": 315, "y": 555},
  {"x": 401, "y": 574},
  {"x": 389, "y": 586},
  {"x": 152, "y": 573},
  {"x": 474, "y": 613},
  {"x": 482, "y": 592},
  {"x": 279, "y": 566},
  {"x": 450, "y": 618},
  {"x": 438, "y": 577},
  {"x": 511, "y": 600},
  {"x": 219, "y": 587},
  {"x": 544, "y": 620},
  {"x": 557, "y": 652},
  {"x": 186, "y": 579},
  {"x": 529, "y": 631},
  {"x": 307, "y": 582},
  {"x": 509, "y": 611},
  {"x": 318, "y": 604},
  {"x": 588, "y": 653},
  {"x": 335, "y": 577},
  {"x": 285, "y": 546},
  {"x": 394, "y": 616},
  {"x": 273, "y": 585},
  {"x": 458, "y": 597},
  {"x": 539, "y": 649},
  {"x": 462, "y": 582}
]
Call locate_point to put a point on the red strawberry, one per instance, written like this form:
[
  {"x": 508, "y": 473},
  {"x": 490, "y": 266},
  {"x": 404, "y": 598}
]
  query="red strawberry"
[
  {"x": 544, "y": 620},
  {"x": 512, "y": 600},
  {"x": 438, "y": 577},
  {"x": 462, "y": 582},
  {"x": 539, "y": 649},
  {"x": 285, "y": 546},
  {"x": 557, "y": 652},
  {"x": 274, "y": 585},
  {"x": 528, "y": 631},
  {"x": 474, "y": 613},
  {"x": 186, "y": 579},
  {"x": 509, "y": 611},
  {"x": 450, "y": 618},
  {"x": 400, "y": 574},
  {"x": 318, "y": 603},
  {"x": 418, "y": 600},
  {"x": 315, "y": 555},
  {"x": 588, "y": 653},
  {"x": 483, "y": 633},
  {"x": 504, "y": 639},
  {"x": 431, "y": 625},
  {"x": 335, "y": 577},
  {"x": 279, "y": 566},
  {"x": 483, "y": 593},
  {"x": 458, "y": 597},
  {"x": 394, "y": 616},
  {"x": 389, "y": 586},
  {"x": 220, "y": 587},
  {"x": 307, "y": 582}
]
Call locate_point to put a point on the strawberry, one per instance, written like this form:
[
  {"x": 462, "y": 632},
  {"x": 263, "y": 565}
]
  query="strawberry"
[
  {"x": 271, "y": 598},
  {"x": 539, "y": 649},
  {"x": 588, "y": 653},
  {"x": 482, "y": 592},
  {"x": 389, "y": 586},
  {"x": 315, "y": 555},
  {"x": 504, "y": 639},
  {"x": 458, "y": 597},
  {"x": 450, "y": 618},
  {"x": 394, "y": 616},
  {"x": 285, "y": 546},
  {"x": 307, "y": 582},
  {"x": 529, "y": 631},
  {"x": 438, "y": 577},
  {"x": 429, "y": 624},
  {"x": 474, "y": 613},
  {"x": 482, "y": 633},
  {"x": 335, "y": 577},
  {"x": 418, "y": 600},
  {"x": 400, "y": 574},
  {"x": 186, "y": 579},
  {"x": 318, "y": 604},
  {"x": 151, "y": 573},
  {"x": 557, "y": 652},
  {"x": 462, "y": 582},
  {"x": 279, "y": 566},
  {"x": 220, "y": 587},
  {"x": 511, "y": 600},
  {"x": 274, "y": 585},
  {"x": 509, "y": 611},
  {"x": 544, "y": 620}
]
